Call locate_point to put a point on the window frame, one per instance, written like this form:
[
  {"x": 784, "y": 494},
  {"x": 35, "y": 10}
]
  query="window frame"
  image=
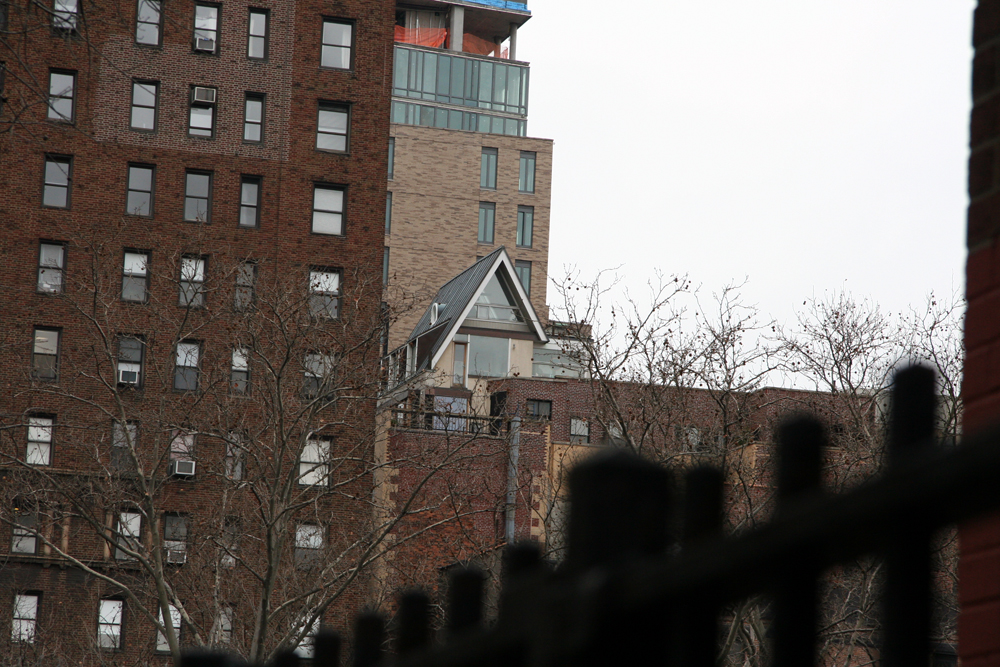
[
  {"x": 102, "y": 622},
  {"x": 234, "y": 462},
  {"x": 576, "y": 437},
  {"x": 351, "y": 48},
  {"x": 177, "y": 524},
  {"x": 119, "y": 360},
  {"x": 488, "y": 164},
  {"x": 59, "y": 118},
  {"x": 527, "y": 157},
  {"x": 158, "y": 24},
  {"x": 317, "y": 468},
  {"x": 127, "y": 276},
  {"x": 19, "y": 636},
  {"x": 196, "y": 133},
  {"x": 490, "y": 208},
  {"x": 388, "y": 212},
  {"x": 58, "y": 159},
  {"x": 520, "y": 264},
  {"x": 43, "y": 268},
  {"x": 245, "y": 291},
  {"x": 315, "y": 282},
  {"x": 21, "y": 531},
  {"x": 306, "y": 535},
  {"x": 267, "y": 32},
  {"x": 525, "y": 220},
  {"x": 34, "y": 370},
  {"x": 125, "y": 535},
  {"x": 187, "y": 441},
  {"x": 121, "y": 434},
  {"x": 182, "y": 383},
  {"x": 239, "y": 375},
  {"x": 162, "y": 645},
  {"x": 312, "y": 383},
  {"x": 42, "y": 444},
  {"x": 151, "y": 193},
  {"x": 385, "y": 265},
  {"x": 248, "y": 179},
  {"x": 392, "y": 157},
  {"x": 70, "y": 23},
  {"x": 255, "y": 97},
  {"x": 334, "y": 107},
  {"x": 534, "y": 414},
  {"x": 191, "y": 292},
  {"x": 343, "y": 208},
  {"x": 208, "y": 199},
  {"x": 217, "y": 30},
  {"x": 156, "y": 105}
]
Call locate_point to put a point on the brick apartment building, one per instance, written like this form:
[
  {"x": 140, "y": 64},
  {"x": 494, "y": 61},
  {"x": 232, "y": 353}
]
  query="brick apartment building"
[{"x": 192, "y": 202}]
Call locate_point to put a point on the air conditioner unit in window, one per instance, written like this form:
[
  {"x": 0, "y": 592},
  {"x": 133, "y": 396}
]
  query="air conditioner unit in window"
[
  {"x": 182, "y": 468},
  {"x": 202, "y": 94},
  {"x": 126, "y": 376},
  {"x": 204, "y": 44},
  {"x": 177, "y": 555}
]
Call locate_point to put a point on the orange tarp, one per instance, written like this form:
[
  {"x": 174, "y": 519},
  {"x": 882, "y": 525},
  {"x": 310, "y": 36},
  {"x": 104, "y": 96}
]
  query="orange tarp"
[{"x": 434, "y": 37}]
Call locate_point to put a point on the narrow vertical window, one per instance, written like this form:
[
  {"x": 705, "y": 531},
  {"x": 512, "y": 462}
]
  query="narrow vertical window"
[
  {"x": 25, "y": 618},
  {"x": 128, "y": 538},
  {"x": 109, "y": 624},
  {"x": 186, "y": 369},
  {"x": 139, "y": 198},
  {"x": 388, "y": 212},
  {"x": 250, "y": 201},
  {"x": 328, "y": 210},
  {"x": 51, "y": 267},
  {"x": 65, "y": 14},
  {"x": 130, "y": 352},
  {"x": 458, "y": 369},
  {"x": 487, "y": 211},
  {"x": 246, "y": 279},
  {"x": 162, "y": 645},
  {"x": 523, "y": 270},
  {"x": 24, "y": 537},
  {"x": 317, "y": 368},
  {"x": 39, "y": 450},
  {"x": 144, "y": 96},
  {"x": 62, "y": 96},
  {"x": 337, "y": 44},
  {"x": 392, "y": 155},
  {"x": 488, "y": 169},
  {"x": 332, "y": 127},
  {"x": 314, "y": 462},
  {"x": 526, "y": 174},
  {"x": 124, "y": 441},
  {"x": 198, "y": 196},
  {"x": 45, "y": 355},
  {"x": 253, "y": 118},
  {"x": 135, "y": 277},
  {"x": 148, "y": 17},
  {"x": 235, "y": 454},
  {"x": 579, "y": 430},
  {"x": 192, "y": 282},
  {"x": 58, "y": 179},
  {"x": 182, "y": 445},
  {"x": 324, "y": 293},
  {"x": 224, "y": 626},
  {"x": 239, "y": 380},
  {"x": 206, "y": 28},
  {"x": 257, "y": 34},
  {"x": 201, "y": 117},
  {"x": 385, "y": 266},
  {"x": 525, "y": 225},
  {"x": 175, "y": 532}
]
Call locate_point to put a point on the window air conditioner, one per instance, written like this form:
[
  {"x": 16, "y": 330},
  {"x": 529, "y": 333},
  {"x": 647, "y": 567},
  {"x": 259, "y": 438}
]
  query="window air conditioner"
[
  {"x": 176, "y": 555},
  {"x": 202, "y": 94},
  {"x": 204, "y": 44},
  {"x": 182, "y": 468},
  {"x": 126, "y": 376}
]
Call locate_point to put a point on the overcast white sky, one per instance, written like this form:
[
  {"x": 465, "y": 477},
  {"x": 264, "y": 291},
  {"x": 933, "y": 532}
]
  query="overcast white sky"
[{"x": 806, "y": 145}]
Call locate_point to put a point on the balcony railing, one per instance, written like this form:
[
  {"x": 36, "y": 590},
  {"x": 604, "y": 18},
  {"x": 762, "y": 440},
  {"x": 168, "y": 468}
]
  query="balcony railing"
[{"x": 431, "y": 420}]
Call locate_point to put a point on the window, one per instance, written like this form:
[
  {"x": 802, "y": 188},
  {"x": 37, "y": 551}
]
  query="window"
[
  {"x": 124, "y": 441},
  {"x": 458, "y": 370},
  {"x": 317, "y": 368},
  {"x": 198, "y": 196},
  {"x": 148, "y": 16},
  {"x": 392, "y": 155},
  {"x": 24, "y": 539},
  {"x": 162, "y": 645},
  {"x": 45, "y": 355},
  {"x": 388, "y": 212},
  {"x": 135, "y": 276},
  {"x": 526, "y": 174},
  {"x": 385, "y": 265},
  {"x": 235, "y": 448},
  {"x": 144, "y": 96},
  {"x": 175, "y": 530},
  {"x": 51, "y": 264},
  {"x": 224, "y": 626},
  {"x": 308, "y": 543},
  {"x": 332, "y": 127},
  {"x": 246, "y": 278},
  {"x": 488, "y": 169},
  {"x": 314, "y": 467},
  {"x": 579, "y": 430},
  {"x": 130, "y": 352},
  {"x": 523, "y": 270},
  {"x": 257, "y": 34},
  {"x": 65, "y": 14},
  {"x": 337, "y": 44},
  {"x": 539, "y": 409},
  {"x": 328, "y": 210},
  {"x": 109, "y": 624},
  {"x": 62, "y": 96},
  {"x": 39, "y": 450},
  {"x": 488, "y": 356},
  {"x": 324, "y": 293},
  {"x": 192, "y": 285},
  {"x": 186, "y": 368},
  {"x": 253, "y": 118},
  {"x": 139, "y": 200},
  {"x": 239, "y": 380},
  {"x": 487, "y": 212},
  {"x": 525, "y": 225},
  {"x": 307, "y": 645},
  {"x": 181, "y": 445},
  {"x": 25, "y": 618},
  {"x": 228, "y": 541},
  {"x": 58, "y": 176},
  {"x": 201, "y": 120},
  {"x": 206, "y": 28},
  {"x": 3, "y": 66},
  {"x": 250, "y": 201},
  {"x": 129, "y": 525}
]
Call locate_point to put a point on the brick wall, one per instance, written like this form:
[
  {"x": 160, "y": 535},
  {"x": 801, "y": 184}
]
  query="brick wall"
[{"x": 979, "y": 585}]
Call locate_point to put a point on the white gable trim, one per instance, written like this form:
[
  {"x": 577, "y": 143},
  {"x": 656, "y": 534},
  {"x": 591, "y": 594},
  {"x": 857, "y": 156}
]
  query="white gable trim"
[{"x": 524, "y": 304}]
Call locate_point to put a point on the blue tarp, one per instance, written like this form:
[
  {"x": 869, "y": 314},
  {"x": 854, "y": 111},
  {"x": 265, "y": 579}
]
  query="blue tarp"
[{"x": 502, "y": 4}]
